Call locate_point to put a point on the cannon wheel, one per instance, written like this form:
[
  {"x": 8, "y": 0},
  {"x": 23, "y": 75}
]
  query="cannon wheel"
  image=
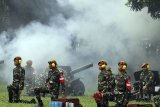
[{"x": 79, "y": 88}]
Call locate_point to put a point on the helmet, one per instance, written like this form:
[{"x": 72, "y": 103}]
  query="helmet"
[
  {"x": 109, "y": 69},
  {"x": 145, "y": 65},
  {"x": 29, "y": 62},
  {"x": 122, "y": 63},
  {"x": 18, "y": 58},
  {"x": 53, "y": 63},
  {"x": 102, "y": 62}
]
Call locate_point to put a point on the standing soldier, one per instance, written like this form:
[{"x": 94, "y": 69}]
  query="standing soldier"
[
  {"x": 29, "y": 76},
  {"x": 104, "y": 84},
  {"x": 54, "y": 81},
  {"x": 146, "y": 82},
  {"x": 17, "y": 86},
  {"x": 123, "y": 87}
]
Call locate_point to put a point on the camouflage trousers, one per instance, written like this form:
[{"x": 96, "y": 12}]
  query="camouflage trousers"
[
  {"x": 146, "y": 94},
  {"x": 44, "y": 90},
  {"x": 14, "y": 92},
  {"x": 122, "y": 99},
  {"x": 157, "y": 101},
  {"x": 104, "y": 102}
]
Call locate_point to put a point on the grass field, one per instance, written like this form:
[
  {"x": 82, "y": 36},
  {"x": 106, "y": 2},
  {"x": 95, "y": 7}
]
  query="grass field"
[{"x": 86, "y": 101}]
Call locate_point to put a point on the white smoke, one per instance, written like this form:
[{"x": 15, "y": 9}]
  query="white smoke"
[{"x": 109, "y": 30}]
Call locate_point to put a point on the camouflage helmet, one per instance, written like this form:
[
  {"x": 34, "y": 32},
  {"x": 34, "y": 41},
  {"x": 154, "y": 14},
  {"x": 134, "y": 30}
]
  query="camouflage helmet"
[
  {"x": 29, "y": 62},
  {"x": 122, "y": 63},
  {"x": 17, "y": 58},
  {"x": 145, "y": 65},
  {"x": 52, "y": 61},
  {"x": 109, "y": 69},
  {"x": 102, "y": 62}
]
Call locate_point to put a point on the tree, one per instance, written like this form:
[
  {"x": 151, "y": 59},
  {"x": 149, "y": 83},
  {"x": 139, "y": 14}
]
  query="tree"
[{"x": 152, "y": 5}]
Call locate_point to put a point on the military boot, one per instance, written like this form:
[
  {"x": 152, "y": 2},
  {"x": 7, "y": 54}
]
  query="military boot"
[
  {"x": 10, "y": 94},
  {"x": 40, "y": 104},
  {"x": 99, "y": 105}
]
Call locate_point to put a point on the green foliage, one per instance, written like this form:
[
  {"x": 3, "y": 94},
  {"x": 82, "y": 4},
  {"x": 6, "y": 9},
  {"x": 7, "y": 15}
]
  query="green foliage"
[{"x": 152, "y": 5}]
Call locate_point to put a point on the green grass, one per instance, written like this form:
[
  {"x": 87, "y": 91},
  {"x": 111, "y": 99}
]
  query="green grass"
[{"x": 86, "y": 101}]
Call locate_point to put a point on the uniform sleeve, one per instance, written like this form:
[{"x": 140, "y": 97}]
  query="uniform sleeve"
[
  {"x": 141, "y": 76},
  {"x": 113, "y": 80},
  {"x": 101, "y": 82},
  {"x": 128, "y": 83},
  {"x": 23, "y": 74},
  {"x": 62, "y": 82},
  {"x": 22, "y": 79},
  {"x": 13, "y": 75},
  {"x": 49, "y": 76},
  {"x": 151, "y": 79}
]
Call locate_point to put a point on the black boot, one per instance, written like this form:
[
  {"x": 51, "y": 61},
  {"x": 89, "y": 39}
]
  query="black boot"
[
  {"x": 33, "y": 101},
  {"x": 40, "y": 104},
  {"x": 10, "y": 94},
  {"x": 99, "y": 105}
]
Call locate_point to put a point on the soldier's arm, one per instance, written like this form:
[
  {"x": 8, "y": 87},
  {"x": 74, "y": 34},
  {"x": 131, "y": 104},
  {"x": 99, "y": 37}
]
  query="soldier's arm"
[
  {"x": 112, "y": 80},
  {"x": 62, "y": 82},
  {"x": 151, "y": 79},
  {"x": 141, "y": 76},
  {"x": 22, "y": 78},
  {"x": 141, "y": 80},
  {"x": 99, "y": 83},
  {"x": 13, "y": 75},
  {"x": 49, "y": 76},
  {"x": 128, "y": 84},
  {"x": 23, "y": 75}
]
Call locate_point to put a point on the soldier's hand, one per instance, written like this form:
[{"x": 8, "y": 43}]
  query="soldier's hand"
[{"x": 144, "y": 87}]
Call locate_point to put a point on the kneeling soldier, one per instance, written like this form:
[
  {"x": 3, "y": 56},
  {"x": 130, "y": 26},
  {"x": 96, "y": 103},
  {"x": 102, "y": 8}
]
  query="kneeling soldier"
[
  {"x": 15, "y": 89},
  {"x": 54, "y": 81}
]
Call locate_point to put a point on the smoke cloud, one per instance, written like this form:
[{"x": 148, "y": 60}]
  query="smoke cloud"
[{"x": 92, "y": 30}]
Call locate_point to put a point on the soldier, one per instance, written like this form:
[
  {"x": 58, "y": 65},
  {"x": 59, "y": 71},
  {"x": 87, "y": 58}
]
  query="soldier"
[
  {"x": 146, "y": 82},
  {"x": 14, "y": 90},
  {"x": 104, "y": 84},
  {"x": 29, "y": 76},
  {"x": 54, "y": 81},
  {"x": 123, "y": 87}
]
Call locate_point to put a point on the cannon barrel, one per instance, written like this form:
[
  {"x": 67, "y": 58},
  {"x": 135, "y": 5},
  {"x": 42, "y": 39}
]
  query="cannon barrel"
[{"x": 81, "y": 69}]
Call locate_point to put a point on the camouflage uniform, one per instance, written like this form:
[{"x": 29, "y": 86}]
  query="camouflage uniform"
[
  {"x": 146, "y": 79},
  {"x": 53, "y": 84},
  {"x": 14, "y": 90},
  {"x": 121, "y": 90},
  {"x": 111, "y": 84},
  {"x": 157, "y": 100},
  {"x": 122, "y": 93},
  {"x": 104, "y": 85}
]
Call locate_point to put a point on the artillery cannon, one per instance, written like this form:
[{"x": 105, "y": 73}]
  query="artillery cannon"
[{"x": 74, "y": 86}]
